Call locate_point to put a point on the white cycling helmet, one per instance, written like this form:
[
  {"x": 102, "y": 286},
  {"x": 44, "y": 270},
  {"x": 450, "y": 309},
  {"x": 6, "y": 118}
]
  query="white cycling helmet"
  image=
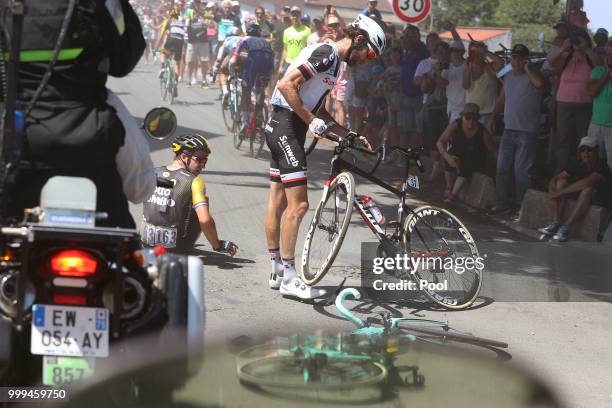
[{"x": 376, "y": 35}]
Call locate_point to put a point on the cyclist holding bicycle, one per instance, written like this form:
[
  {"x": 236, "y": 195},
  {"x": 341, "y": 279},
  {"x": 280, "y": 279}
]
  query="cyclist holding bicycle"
[
  {"x": 223, "y": 62},
  {"x": 297, "y": 98},
  {"x": 173, "y": 35},
  {"x": 174, "y": 217},
  {"x": 255, "y": 56}
]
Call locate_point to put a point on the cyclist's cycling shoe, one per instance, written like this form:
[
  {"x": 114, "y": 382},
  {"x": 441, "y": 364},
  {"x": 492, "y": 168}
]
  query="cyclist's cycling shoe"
[
  {"x": 550, "y": 230},
  {"x": 226, "y": 101},
  {"x": 299, "y": 289},
  {"x": 161, "y": 74},
  {"x": 275, "y": 281}
]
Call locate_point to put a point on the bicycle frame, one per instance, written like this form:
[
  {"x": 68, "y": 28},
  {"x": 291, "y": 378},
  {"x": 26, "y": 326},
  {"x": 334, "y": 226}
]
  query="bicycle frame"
[
  {"x": 259, "y": 88},
  {"x": 338, "y": 165}
]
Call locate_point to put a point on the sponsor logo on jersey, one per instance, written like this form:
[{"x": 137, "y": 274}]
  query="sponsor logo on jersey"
[
  {"x": 161, "y": 196},
  {"x": 329, "y": 81}
]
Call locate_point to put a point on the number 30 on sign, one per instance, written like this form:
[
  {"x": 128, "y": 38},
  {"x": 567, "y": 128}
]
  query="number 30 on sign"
[{"x": 412, "y": 11}]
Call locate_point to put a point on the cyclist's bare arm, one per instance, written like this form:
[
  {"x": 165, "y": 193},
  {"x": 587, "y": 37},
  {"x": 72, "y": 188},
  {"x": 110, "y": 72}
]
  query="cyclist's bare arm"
[
  {"x": 289, "y": 87},
  {"x": 338, "y": 130},
  {"x": 207, "y": 224}
]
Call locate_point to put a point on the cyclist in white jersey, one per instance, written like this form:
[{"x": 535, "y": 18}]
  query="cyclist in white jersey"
[{"x": 297, "y": 107}]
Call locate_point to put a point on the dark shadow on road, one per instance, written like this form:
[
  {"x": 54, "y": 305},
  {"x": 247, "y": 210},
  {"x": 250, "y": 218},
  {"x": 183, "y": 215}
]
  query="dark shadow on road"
[
  {"x": 221, "y": 261},
  {"x": 189, "y": 103}
]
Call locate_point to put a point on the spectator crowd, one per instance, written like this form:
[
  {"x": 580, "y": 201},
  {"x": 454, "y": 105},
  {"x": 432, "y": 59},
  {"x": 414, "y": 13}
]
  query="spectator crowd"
[{"x": 469, "y": 111}]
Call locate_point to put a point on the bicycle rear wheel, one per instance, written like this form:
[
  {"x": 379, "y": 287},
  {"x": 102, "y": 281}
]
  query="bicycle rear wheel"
[
  {"x": 260, "y": 134},
  {"x": 226, "y": 112},
  {"x": 236, "y": 113},
  {"x": 162, "y": 85},
  {"x": 328, "y": 228},
  {"x": 444, "y": 245},
  {"x": 299, "y": 372}
]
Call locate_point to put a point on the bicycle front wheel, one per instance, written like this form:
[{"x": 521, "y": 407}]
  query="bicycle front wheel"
[
  {"x": 446, "y": 264},
  {"x": 443, "y": 335},
  {"x": 301, "y": 372},
  {"x": 328, "y": 228}
]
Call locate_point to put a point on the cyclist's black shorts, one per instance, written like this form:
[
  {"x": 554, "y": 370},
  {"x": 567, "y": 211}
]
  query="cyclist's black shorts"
[
  {"x": 285, "y": 137},
  {"x": 174, "y": 46}
]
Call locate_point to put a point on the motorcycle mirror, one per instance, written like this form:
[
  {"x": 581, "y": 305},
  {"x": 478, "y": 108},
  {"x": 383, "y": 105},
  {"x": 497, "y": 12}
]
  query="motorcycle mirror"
[{"x": 159, "y": 123}]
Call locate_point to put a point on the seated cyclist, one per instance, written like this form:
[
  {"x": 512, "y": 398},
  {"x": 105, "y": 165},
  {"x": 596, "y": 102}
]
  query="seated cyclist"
[
  {"x": 222, "y": 64},
  {"x": 173, "y": 35},
  {"x": 256, "y": 58},
  {"x": 175, "y": 217}
]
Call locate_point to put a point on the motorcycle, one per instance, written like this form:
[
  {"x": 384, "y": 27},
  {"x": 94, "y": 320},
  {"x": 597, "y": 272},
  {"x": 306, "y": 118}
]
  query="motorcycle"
[{"x": 72, "y": 294}]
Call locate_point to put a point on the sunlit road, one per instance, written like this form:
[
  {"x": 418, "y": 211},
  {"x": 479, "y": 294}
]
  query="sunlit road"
[{"x": 567, "y": 344}]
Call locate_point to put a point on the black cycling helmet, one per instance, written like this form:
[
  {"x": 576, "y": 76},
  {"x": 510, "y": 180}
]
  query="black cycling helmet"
[
  {"x": 191, "y": 143},
  {"x": 253, "y": 29}
]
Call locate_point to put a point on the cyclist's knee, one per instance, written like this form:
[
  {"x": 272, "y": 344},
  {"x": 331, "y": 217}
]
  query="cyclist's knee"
[{"x": 297, "y": 210}]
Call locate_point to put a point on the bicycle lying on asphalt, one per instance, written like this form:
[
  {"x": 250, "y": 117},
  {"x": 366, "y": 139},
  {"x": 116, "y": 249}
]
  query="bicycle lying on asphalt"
[
  {"x": 363, "y": 357},
  {"x": 424, "y": 232}
]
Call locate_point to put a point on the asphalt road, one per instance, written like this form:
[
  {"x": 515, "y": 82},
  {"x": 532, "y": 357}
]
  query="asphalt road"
[{"x": 551, "y": 303}]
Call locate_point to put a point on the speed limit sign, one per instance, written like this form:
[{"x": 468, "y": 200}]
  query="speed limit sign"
[{"x": 412, "y": 11}]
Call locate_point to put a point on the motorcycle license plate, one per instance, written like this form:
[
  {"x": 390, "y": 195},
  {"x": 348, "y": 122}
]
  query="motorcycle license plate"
[
  {"x": 66, "y": 370},
  {"x": 413, "y": 181},
  {"x": 155, "y": 235},
  {"x": 69, "y": 331}
]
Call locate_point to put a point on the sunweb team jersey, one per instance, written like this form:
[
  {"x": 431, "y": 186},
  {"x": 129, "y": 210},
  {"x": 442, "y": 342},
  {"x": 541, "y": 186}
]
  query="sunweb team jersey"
[
  {"x": 320, "y": 65},
  {"x": 295, "y": 39},
  {"x": 169, "y": 214}
]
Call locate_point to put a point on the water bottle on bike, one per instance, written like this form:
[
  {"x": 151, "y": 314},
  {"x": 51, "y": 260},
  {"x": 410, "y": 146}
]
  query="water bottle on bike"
[{"x": 370, "y": 205}]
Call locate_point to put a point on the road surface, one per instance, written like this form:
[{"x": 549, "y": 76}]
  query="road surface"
[{"x": 551, "y": 303}]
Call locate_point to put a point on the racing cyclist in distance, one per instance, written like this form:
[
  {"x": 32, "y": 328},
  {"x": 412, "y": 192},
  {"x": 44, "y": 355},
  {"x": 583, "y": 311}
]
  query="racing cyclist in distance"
[
  {"x": 173, "y": 35},
  {"x": 298, "y": 103},
  {"x": 255, "y": 56},
  {"x": 223, "y": 59},
  {"x": 175, "y": 217}
]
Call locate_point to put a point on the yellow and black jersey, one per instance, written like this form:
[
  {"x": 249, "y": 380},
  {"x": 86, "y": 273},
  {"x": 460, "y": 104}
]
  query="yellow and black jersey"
[{"x": 169, "y": 216}]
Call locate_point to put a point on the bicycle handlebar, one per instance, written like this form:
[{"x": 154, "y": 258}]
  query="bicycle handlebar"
[
  {"x": 350, "y": 143},
  {"x": 344, "y": 311}
]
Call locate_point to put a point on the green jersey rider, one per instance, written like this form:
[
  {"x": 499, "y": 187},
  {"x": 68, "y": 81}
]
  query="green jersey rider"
[{"x": 174, "y": 217}]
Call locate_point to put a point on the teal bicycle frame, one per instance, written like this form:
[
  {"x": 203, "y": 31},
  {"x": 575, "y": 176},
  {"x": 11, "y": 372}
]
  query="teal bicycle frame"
[{"x": 356, "y": 352}]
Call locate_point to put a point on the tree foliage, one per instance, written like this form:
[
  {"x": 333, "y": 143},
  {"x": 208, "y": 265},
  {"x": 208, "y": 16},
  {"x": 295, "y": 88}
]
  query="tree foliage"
[
  {"x": 466, "y": 12},
  {"x": 517, "y": 12},
  {"x": 526, "y": 18}
]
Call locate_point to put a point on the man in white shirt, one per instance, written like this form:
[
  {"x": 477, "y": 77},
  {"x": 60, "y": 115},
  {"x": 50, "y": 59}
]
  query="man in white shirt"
[{"x": 453, "y": 78}]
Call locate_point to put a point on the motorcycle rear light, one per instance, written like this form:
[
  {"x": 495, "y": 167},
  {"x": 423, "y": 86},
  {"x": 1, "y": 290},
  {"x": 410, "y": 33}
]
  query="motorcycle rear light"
[
  {"x": 8, "y": 255},
  {"x": 69, "y": 299},
  {"x": 159, "y": 250},
  {"x": 73, "y": 262}
]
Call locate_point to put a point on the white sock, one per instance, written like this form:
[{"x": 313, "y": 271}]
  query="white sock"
[
  {"x": 289, "y": 270},
  {"x": 277, "y": 263}
]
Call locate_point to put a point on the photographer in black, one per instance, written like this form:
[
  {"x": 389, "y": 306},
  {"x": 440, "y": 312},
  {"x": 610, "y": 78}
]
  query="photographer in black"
[{"x": 70, "y": 129}]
